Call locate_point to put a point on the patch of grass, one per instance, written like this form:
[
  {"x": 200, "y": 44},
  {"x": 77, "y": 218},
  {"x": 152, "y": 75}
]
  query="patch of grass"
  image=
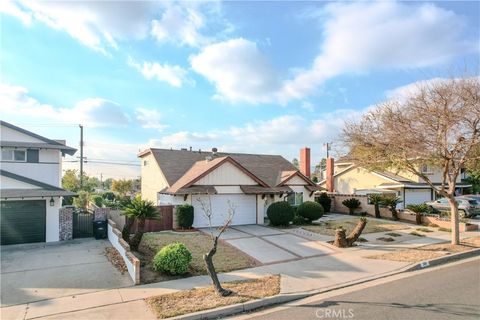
[
  {"x": 393, "y": 234},
  {"x": 361, "y": 239},
  {"x": 430, "y": 251},
  {"x": 188, "y": 301},
  {"x": 386, "y": 239},
  {"x": 424, "y": 230},
  {"x": 328, "y": 227},
  {"x": 444, "y": 229},
  {"x": 415, "y": 233},
  {"x": 226, "y": 259}
]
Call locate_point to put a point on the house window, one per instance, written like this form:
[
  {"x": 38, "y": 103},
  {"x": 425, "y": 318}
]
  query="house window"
[
  {"x": 294, "y": 199},
  {"x": 426, "y": 169},
  {"x": 17, "y": 155}
]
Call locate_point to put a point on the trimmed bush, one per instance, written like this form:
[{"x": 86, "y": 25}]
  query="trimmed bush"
[
  {"x": 109, "y": 196},
  {"x": 97, "y": 200},
  {"x": 352, "y": 204},
  {"x": 185, "y": 215},
  {"x": 280, "y": 213},
  {"x": 173, "y": 259},
  {"x": 310, "y": 210},
  {"x": 325, "y": 201}
]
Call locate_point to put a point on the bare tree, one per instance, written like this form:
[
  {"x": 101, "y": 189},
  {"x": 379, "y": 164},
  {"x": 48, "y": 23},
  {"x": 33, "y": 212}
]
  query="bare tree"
[
  {"x": 437, "y": 125},
  {"x": 342, "y": 241},
  {"x": 208, "y": 258}
]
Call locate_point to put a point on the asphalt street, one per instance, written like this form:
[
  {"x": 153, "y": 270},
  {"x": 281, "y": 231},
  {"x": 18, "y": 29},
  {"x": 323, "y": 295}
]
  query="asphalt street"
[{"x": 447, "y": 293}]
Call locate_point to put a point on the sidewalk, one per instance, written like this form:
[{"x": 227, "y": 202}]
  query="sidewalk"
[{"x": 338, "y": 268}]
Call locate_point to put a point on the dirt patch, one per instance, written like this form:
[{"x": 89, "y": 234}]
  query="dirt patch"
[
  {"x": 393, "y": 234},
  {"x": 116, "y": 259},
  {"x": 188, "y": 301},
  {"x": 430, "y": 251},
  {"x": 226, "y": 259},
  {"x": 386, "y": 239},
  {"x": 328, "y": 227}
]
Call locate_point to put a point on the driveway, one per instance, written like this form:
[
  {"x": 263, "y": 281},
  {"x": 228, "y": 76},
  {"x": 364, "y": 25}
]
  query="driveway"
[
  {"x": 268, "y": 245},
  {"x": 36, "y": 272}
]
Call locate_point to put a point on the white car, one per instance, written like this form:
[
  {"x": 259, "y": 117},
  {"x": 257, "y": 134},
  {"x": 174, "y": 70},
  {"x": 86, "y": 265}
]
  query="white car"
[{"x": 467, "y": 207}]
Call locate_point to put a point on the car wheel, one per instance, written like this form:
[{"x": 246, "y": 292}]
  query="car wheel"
[{"x": 461, "y": 213}]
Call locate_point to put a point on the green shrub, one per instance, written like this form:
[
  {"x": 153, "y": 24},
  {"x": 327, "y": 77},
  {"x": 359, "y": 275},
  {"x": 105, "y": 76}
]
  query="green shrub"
[
  {"x": 298, "y": 220},
  {"x": 418, "y": 208},
  {"x": 310, "y": 210},
  {"x": 97, "y": 200},
  {"x": 173, "y": 259},
  {"x": 184, "y": 215},
  {"x": 280, "y": 213},
  {"x": 325, "y": 201},
  {"x": 352, "y": 204},
  {"x": 81, "y": 201},
  {"x": 109, "y": 196}
]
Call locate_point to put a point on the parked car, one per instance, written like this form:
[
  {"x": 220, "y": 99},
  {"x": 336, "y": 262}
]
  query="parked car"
[{"x": 467, "y": 207}]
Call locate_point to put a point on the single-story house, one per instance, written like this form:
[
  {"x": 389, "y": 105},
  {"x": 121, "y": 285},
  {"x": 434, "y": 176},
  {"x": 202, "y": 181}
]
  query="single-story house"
[{"x": 250, "y": 182}]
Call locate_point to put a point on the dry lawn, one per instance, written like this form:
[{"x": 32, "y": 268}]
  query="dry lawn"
[
  {"x": 226, "y": 259},
  {"x": 182, "y": 302},
  {"x": 430, "y": 251},
  {"x": 328, "y": 227},
  {"x": 116, "y": 259}
]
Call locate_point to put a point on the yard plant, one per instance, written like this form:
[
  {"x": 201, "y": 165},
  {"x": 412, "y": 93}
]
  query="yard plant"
[
  {"x": 185, "y": 216},
  {"x": 352, "y": 204},
  {"x": 280, "y": 213},
  {"x": 325, "y": 201},
  {"x": 138, "y": 210},
  {"x": 310, "y": 211},
  {"x": 376, "y": 200},
  {"x": 173, "y": 259},
  {"x": 391, "y": 203}
]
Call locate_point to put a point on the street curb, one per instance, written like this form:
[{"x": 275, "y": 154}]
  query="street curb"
[
  {"x": 283, "y": 298},
  {"x": 443, "y": 260}
]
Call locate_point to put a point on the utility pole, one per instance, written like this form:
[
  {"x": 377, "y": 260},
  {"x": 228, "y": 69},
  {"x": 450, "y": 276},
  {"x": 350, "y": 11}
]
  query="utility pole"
[
  {"x": 329, "y": 146},
  {"x": 81, "y": 156}
]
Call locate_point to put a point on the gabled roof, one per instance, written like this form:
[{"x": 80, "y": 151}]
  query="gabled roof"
[
  {"x": 182, "y": 164},
  {"x": 43, "y": 190},
  {"x": 47, "y": 143}
]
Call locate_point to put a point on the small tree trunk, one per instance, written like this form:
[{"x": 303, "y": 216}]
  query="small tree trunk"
[
  {"x": 351, "y": 211},
  {"x": 127, "y": 229},
  {"x": 137, "y": 237},
  {"x": 418, "y": 218},
  {"x": 377, "y": 210},
  {"x": 208, "y": 258},
  {"x": 340, "y": 238},
  {"x": 353, "y": 236},
  {"x": 454, "y": 220},
  {"x": 393, "y": 209}
]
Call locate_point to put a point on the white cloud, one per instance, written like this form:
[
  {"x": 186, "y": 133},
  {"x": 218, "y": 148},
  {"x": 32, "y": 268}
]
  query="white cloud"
[
  {"x": 363, "y": 36},
  {"x": 95, "y": 24},
  {"x": 238, "y": 70},
  {"x": 94, "y": 112},
  {"x": 174, "y": 75},
  {"x": 150, "y": 118}
]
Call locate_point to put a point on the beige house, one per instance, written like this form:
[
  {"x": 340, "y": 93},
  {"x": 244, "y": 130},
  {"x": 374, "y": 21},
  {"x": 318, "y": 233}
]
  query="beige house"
[
  {"x": 349, "y": 178},
  {"x": 251, "y": 182}
]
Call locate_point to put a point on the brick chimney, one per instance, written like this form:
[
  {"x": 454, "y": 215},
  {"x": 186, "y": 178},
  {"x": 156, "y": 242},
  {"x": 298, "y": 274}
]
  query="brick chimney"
[
  {"x": 305, "y": 161},
  {"x": 330, "y": 173}
]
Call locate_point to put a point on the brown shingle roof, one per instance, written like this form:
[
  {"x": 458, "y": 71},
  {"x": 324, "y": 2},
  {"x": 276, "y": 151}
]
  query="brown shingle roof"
[{"x": 176, "y": 163}]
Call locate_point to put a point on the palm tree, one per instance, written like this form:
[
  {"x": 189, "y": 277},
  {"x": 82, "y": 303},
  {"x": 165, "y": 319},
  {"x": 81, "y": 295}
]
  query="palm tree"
[
  {"x": 139, "y": 210},
  {"x": 391, "y": 203},
  {"x": 376, "y": 200}
]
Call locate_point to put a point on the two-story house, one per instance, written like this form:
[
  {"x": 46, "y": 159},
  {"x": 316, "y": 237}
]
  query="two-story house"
[
  {"x": 349, "y": 178},
  {"x": 30, "y": 185}
]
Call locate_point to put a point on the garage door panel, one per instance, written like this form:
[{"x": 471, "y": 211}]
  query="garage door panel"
[
  {"x": 245, "y": 210},
  {"x": 417, "y": 196},
  {"x": 23, "y": 221}
]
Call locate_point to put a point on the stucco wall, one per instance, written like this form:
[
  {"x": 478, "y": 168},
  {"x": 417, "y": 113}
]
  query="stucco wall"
[
  {"x": 44, "y": 172},
  {"x": 132, "y": 262},
  {"x": 356, "y": 178},
  {"x": 152, "y": 179}
]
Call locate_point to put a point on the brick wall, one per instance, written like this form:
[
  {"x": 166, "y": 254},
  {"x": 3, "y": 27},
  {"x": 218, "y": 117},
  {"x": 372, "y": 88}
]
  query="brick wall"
[
  {"x": 101, "y": 213},
  {"x": 65, "y": 224}
]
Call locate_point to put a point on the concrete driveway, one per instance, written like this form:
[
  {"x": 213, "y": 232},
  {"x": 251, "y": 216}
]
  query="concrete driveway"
[
  {"x": 269, "y": 245},
  {"x": 36, "y": 272}
]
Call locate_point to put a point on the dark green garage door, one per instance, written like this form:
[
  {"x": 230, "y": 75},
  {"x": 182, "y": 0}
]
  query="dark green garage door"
[{"x": 23, "y": 221}]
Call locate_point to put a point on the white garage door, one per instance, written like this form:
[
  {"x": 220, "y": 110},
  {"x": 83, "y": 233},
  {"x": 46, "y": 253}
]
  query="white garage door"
[
  {"x": 245, "y": 209},
  {"x": 417, "y": 196}
]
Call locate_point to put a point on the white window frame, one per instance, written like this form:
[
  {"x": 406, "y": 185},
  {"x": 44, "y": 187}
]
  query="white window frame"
[
  {"x": 12, "y": 159},
  {"x": 427, "y": 170},
  {"x": 296, "y": 195}
]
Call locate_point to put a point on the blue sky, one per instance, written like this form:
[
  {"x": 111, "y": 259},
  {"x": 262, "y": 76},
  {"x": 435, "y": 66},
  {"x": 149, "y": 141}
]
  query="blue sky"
[{"x": 261, "y": 77}]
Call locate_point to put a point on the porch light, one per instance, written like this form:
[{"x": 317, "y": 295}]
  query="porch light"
[{"x": 52, "y": 202}]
